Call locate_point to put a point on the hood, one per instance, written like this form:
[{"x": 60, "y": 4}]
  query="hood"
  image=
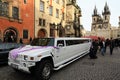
[{"x": 30, "y": 50}]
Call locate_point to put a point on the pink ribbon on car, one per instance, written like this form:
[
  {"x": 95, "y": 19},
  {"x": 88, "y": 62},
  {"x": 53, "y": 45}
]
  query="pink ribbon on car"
[{"x": 14, "y": 53}]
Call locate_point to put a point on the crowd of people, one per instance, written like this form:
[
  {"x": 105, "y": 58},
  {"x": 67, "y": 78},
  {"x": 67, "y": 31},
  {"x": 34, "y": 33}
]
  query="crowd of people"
[{"x": 101, "y": 45}]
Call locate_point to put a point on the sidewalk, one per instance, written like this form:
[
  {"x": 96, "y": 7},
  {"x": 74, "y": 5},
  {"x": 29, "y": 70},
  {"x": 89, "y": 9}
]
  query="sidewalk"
[
  {"x": 106, "y": 67},
  {"x": 116, "y": 52}
]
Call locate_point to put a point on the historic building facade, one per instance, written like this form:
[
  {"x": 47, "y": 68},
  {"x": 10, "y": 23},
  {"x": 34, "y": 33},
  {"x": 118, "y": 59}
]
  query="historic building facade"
[
  {"x": 73, "y": 14},
  {"x": 50, "y": 18},
  {"x": 118, "y": 32},
  {"x": 101, "y": 26},
  {"x": 16, "y": 20},
  {"x": 25, "y": 19},
  {"x": 56, "y": 18}
]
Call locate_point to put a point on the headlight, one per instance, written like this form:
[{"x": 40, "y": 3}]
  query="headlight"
[
  {"x": 31, "y": 58},
  {"x": 25, "y": 57}
]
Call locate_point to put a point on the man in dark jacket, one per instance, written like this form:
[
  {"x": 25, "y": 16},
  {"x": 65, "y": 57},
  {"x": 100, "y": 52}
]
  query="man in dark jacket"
[
  {"x": 93, "y": 49},
  {"x": 111, "y": 45}
]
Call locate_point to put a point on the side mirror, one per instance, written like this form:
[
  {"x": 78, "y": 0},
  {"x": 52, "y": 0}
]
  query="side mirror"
[{"x": 60, "y": 45}]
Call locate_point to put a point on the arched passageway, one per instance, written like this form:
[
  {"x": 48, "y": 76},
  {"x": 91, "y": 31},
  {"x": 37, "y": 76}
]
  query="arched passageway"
[
  {"x": 42, "y": 33},
  {"x": 10, "y": 35}
]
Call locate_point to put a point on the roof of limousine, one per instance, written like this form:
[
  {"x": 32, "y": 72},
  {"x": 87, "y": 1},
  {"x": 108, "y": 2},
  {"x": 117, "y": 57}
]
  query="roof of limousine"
[{"x": 67, "y": 38}]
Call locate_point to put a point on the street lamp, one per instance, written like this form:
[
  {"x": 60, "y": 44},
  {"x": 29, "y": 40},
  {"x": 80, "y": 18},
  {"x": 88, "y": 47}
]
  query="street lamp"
[
  {"x": 57, "y": 27},
  {"x": 76, "y": 25}
]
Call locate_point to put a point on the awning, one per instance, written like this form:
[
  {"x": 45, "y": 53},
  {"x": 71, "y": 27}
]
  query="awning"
[{"x": 94, "y": 37}]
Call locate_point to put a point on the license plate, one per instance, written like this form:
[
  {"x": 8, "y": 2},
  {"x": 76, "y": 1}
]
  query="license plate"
[{"x": 14, "y": 66}]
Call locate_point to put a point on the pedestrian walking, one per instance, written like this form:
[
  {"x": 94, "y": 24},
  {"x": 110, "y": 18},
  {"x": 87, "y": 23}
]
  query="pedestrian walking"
[
  {"x": 111, "y": 45},
  {"x": 21, "y": 41},
  {"x": 102, "y": 46},
  {"x": 93, "y": 49},
  {"x": 30, "y": 39},
  {"x": 106, "y": 44}
]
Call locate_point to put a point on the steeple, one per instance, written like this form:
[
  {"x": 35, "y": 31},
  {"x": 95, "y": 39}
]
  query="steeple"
[
  {"x": 119, "y": 22},
  {"x": 95, "y": 11},
  {"x": 106, "y": 9}
]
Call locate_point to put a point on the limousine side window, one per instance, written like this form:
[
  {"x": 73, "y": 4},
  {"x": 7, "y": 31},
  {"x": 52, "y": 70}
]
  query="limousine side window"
[
  {"x": 75, "y": 42},
  {"x": 60, "y": 43}
]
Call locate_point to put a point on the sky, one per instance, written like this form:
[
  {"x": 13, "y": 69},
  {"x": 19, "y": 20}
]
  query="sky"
[{"x": 87, "y": 7}]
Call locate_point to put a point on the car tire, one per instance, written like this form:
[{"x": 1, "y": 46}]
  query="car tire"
[
  {"x": 43, "y": 70},
  {"x": 16, "y": 70}
]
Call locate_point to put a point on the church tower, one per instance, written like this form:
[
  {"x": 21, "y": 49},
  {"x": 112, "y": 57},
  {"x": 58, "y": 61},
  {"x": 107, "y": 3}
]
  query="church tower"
[
  {"x": 96, "y": 20},
  {"x": 106, "y": 17},
  {"x": 101, "y": 23}
]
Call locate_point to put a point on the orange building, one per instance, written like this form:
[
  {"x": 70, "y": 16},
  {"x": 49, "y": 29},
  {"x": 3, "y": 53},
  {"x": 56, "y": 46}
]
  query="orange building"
[{"x": 16, "y": 20}]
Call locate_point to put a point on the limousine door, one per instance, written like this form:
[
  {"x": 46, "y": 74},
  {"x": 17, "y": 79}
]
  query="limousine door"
[{"x": 60, "y": 52}]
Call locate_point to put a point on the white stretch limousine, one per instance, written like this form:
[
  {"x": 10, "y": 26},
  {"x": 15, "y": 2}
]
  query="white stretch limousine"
[{"x": 46, "y": 54}]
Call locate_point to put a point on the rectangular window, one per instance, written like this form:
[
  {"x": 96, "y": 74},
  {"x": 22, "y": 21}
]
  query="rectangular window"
[
  {"x": 4, "y": 9},
  {"x": 76, "y": 42},
  {"x": 50, "y": 10},
  {"x": 25, "y": 34},
  {"x": 42, "y": 6},
  {"x": 42, "y": 22},
  {"x": 60, "y": 43},
  {"x": 15, "y": 13},
  {"x": 57, "y": 13}
]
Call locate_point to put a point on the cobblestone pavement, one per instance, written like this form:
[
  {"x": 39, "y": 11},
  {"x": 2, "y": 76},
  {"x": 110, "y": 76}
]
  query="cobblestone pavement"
[{"x": 103, "y": 68}]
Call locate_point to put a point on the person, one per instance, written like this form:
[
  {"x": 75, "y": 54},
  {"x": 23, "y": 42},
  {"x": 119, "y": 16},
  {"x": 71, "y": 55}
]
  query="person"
[
  {"x": 93, "y": 49},
  {"x": 21, "y": 41},
  {"x": 106, "y": 44},
  {"x": 30, "y": 39},
  {"x": 99, "y": 48},
  {"x": 111, "y": 45},
  {"x": 102, "y": 46}
]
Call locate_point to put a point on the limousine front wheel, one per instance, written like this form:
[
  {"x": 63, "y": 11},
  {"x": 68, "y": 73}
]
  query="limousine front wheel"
[{"x": 43, "y": 70}]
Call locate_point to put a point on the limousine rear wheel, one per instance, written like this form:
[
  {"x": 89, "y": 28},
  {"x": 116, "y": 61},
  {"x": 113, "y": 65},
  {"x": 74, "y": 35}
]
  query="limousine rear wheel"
[{"x": 43, "y": 70}]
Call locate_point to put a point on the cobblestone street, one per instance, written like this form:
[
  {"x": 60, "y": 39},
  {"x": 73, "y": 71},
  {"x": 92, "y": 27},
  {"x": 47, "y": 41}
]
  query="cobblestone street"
[{"x": 104, "y": 68}]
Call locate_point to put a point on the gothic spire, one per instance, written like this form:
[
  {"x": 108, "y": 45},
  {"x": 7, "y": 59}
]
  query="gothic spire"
[
  {"x": 106, "y": 9},
  {"x": 95, "y": 11}
]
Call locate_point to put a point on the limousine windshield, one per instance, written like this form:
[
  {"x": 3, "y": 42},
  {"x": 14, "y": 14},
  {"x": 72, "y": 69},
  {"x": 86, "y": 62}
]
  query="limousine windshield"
[{"x": 42, "y": 42}]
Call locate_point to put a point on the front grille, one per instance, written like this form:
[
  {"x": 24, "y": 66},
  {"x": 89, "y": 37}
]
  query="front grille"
[
  {"x": 2, "y": 50},
  {"x": 16, "y": 61}
]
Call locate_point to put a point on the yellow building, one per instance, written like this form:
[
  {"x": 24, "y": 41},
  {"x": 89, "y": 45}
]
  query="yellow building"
[
  {"x": 73, "y": 14},
  {"x": 51, "y": 17}
]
